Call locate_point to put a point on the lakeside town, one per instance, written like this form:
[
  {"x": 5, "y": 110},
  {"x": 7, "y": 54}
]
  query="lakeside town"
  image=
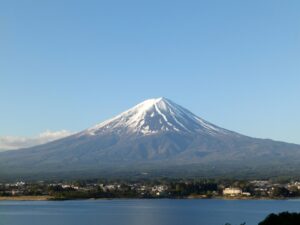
[{"x": 45, "y": 190}]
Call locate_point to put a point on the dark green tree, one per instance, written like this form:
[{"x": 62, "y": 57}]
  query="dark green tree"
[{"x": 284, "y": 218}]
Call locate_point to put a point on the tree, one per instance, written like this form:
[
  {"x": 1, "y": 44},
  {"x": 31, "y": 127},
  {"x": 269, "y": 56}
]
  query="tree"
[
  {"x": 280, "y": 192},
  {"x": 284, "y": 218}
]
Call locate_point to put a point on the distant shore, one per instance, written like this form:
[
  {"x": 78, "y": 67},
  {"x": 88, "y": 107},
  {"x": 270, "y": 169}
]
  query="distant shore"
[
  {"x": 51, "y": 198},
  {"x": 25, "y": 198}
]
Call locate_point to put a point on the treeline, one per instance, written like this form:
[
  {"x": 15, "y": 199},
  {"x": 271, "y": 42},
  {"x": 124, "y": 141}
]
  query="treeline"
[
  {"x": 132, "y": 190},
  {"x": 59, "y": 193},
  {"x": 159, "y": 188}
]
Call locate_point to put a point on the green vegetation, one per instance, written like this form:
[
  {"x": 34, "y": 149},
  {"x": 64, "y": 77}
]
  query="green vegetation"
[
  {"x": 158, "y": 188},
  {"x": 284, "y": 218}
]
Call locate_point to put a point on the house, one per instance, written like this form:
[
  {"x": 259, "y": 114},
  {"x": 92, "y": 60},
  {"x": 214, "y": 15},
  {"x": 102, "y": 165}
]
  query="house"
[{"x": 232, "y": 191}]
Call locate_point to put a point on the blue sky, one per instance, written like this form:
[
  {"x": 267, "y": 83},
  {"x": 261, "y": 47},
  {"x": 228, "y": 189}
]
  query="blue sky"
[{"x": 71, "y": 64}]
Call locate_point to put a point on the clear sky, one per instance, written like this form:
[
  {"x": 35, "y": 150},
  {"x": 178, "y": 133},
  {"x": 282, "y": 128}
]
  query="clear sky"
[{"x": 71, "y": 64}]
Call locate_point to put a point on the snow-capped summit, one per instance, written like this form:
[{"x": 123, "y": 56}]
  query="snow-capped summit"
[{"x": 154, "y": 116}]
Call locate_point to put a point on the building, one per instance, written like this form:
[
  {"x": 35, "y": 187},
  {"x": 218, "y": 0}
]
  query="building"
[{"x": 232, "y": 191}]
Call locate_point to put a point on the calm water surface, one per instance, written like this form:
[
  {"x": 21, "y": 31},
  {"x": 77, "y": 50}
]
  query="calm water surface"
[{"x": 141, "y": 212}]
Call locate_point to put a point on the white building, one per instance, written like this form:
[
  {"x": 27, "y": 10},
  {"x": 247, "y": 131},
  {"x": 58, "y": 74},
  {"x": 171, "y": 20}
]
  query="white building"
[{"x": 232, "y": 191}]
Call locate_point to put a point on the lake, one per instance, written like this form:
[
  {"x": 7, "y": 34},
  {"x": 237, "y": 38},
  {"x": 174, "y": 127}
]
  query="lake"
[{"x": 141, "y": 212}]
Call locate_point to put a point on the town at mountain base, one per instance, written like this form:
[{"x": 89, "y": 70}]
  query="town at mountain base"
[{"x": 155, "y": 138}]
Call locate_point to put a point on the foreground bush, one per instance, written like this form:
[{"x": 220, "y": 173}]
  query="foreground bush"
[{"x": 284, "y": 218}]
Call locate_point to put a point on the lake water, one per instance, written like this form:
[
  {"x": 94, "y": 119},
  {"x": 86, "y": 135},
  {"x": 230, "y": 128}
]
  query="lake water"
[{"x": 141, "y": 212}]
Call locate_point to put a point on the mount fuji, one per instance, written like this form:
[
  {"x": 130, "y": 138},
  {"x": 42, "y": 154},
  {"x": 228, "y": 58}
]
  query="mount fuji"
[{"x": 155, "y": 138}]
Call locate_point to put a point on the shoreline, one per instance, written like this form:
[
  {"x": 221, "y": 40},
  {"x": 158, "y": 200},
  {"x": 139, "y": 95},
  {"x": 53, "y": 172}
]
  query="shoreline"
[
  {"x": 26, "y": 198},
  {"x": 50, "y": 198}
]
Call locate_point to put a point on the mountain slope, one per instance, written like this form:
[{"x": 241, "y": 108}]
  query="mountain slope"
[{"x": 156, "y": 136}]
